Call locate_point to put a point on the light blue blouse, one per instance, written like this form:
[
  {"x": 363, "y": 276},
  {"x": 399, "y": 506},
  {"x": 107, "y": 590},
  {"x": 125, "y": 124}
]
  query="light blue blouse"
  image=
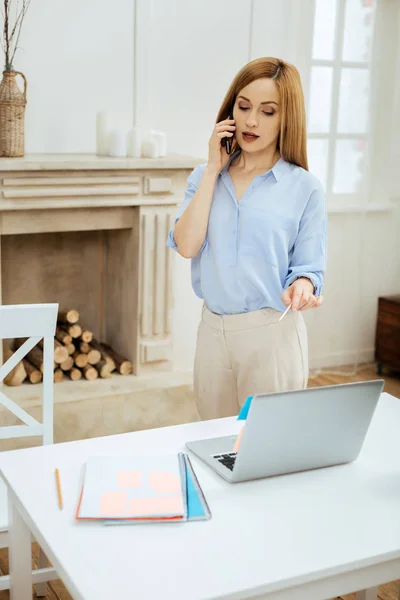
[{"x": 257, "y": 247}]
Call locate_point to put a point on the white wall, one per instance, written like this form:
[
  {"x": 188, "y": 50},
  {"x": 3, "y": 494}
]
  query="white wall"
[
  {"x": 78, "y": 58},
  {"x": 169, "y": 63},
  {"x": 364, "y": 246},
  {"x": 363, "y": 264},
  {"x": 193, "y": 71},
  {"x": 181, "y": 80},
  {"x": 393, "y": 172}
]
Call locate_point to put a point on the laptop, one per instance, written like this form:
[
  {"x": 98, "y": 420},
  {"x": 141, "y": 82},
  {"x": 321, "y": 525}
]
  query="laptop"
[{"x": 295, "y": 431}]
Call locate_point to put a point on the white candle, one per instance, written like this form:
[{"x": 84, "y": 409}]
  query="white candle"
[
  {"x": 152, "y": 135},
  {"x": 103, "y": 123},
  {"x": 135, "y": 142},
  {"x": 149, "y": 148},
  {"x": 161, "y": 138},
  {"x": 118, "y": 143}
]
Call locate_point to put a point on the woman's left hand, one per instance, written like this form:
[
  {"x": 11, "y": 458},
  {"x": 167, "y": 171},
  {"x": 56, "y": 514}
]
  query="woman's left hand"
[{"x": 300, "y": 295}]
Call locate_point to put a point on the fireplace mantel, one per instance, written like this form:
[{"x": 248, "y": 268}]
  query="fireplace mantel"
[
  {"x": 119, "y": 212},
  {"x": 77, "y": 181},
  {"x": 91, "y": 162}
]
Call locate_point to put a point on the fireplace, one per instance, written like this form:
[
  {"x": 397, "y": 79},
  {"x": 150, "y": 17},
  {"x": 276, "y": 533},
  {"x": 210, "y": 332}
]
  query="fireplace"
[{"x": 89, "y": 233}]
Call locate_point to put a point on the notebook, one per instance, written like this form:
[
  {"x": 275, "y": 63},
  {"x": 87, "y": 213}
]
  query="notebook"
[
  {"x": 134, "y": 487},
  {"x": 141, "y": 489}
]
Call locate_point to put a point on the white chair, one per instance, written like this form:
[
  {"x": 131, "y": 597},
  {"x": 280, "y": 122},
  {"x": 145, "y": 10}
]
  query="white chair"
[{"x": 35, "y": 322}]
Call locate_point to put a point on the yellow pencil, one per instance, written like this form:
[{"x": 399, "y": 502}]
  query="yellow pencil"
[{"x": 60, "y": 500}]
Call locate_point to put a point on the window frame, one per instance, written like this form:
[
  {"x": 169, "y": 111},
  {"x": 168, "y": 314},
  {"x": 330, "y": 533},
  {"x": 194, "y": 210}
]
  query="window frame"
[{"x": 338, "y": 64}]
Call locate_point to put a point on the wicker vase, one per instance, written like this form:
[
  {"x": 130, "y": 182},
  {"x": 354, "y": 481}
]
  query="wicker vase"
[{"x": 12, "y": 115}]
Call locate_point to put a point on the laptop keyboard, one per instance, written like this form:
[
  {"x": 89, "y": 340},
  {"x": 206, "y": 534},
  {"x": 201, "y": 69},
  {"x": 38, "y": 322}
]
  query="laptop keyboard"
[{"x": 228, "y": 460}]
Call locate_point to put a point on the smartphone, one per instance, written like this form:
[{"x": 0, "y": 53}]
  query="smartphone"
[{"x": 227, "y": 142}]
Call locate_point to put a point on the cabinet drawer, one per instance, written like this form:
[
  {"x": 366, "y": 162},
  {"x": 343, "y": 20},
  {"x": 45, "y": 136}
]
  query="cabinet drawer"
[
  {"x": 387, "y": 345},
  {"x": 389, "y": 317},
  {"x": 158, "y": 185},
  {"x": 155, "y": 350}
]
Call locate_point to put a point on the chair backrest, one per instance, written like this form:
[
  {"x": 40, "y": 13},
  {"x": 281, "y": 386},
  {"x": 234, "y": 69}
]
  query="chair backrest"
[{"x": 34, "y": 322}]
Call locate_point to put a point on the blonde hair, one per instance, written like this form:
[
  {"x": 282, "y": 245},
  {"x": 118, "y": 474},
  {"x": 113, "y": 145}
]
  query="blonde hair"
[{"x": 292, "y": 140}]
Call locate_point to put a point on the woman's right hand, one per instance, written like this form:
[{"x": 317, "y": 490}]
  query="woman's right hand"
[{"x": 217, "y": 154}]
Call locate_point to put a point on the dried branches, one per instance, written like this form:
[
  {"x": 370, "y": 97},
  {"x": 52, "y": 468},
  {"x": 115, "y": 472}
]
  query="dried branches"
[{"x": 12, "y": 28}]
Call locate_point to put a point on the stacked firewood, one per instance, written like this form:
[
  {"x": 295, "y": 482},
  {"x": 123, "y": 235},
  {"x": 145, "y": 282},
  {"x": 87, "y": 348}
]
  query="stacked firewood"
[{"x": 77, "y": 355}]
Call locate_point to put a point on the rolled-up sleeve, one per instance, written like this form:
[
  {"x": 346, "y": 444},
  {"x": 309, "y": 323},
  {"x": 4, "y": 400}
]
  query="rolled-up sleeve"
[
  {"x": 192, "y": 184},
  {"x": 308, "y": 258}
]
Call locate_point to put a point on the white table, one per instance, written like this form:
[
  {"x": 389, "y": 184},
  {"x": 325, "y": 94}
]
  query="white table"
[{"x": 312, "y": 535}]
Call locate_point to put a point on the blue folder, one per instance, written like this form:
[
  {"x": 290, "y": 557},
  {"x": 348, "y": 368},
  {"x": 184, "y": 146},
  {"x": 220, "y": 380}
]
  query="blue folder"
[{"x": 197, "y": 506}]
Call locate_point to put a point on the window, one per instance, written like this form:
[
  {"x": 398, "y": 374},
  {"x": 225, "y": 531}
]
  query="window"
[{"x": 339, "y": 95}]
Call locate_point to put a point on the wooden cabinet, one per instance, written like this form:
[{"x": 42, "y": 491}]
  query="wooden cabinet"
[{"x": 387, "y": 343}]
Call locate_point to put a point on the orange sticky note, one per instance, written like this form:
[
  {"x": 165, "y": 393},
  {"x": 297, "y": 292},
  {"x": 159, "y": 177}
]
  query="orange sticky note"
[
  {"x": 113, "y": 503},
  {"x": 129, "y": 479},
  {"x": 164, "y": 483}
]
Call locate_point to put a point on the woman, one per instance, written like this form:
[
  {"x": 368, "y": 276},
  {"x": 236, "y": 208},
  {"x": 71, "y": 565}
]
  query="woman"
[{"x": 254, "y": 224}]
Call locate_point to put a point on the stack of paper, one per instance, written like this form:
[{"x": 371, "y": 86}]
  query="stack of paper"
[{"x": 141, "y": 489}]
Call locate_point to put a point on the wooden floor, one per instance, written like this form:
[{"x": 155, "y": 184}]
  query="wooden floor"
[{"x": 390, "y": 591}]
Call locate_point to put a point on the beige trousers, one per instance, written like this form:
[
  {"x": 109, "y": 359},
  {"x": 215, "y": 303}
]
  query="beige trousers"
[{"x": 246, "y": 354}]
